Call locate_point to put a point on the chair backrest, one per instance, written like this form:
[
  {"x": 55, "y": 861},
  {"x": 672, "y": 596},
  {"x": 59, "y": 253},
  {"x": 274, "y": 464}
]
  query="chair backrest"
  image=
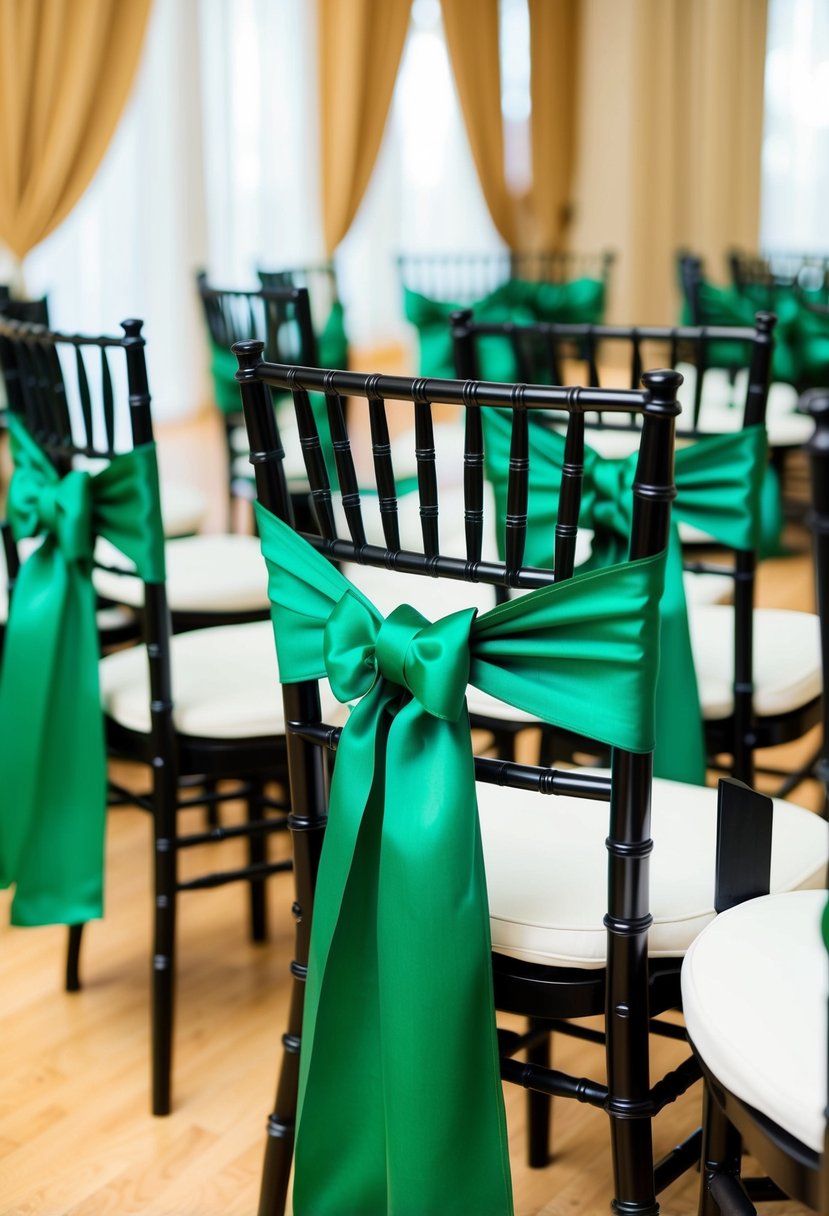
[
  {"x": 279, "y": 316},
  {"x": 766, "y": 278},
  {"x": 85, "y": 401},
  {"x": 464, "y": 277},
  {"x": 318, "y": 279},
  {"x": 562, "y": 354},
  {"x": 381, "y": 404},
  {"x": 16, "y": 309},
  {"x": 547, "y": 353}
]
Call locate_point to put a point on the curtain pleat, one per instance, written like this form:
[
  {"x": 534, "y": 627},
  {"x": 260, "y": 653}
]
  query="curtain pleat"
[
  {"x": 360, "y": 46},
  {"x": 66, "y": 69},
  {"x": 471, "y": 29},
  {"x": 669, "y": 134},
  {"x": 553, "y": 59}
]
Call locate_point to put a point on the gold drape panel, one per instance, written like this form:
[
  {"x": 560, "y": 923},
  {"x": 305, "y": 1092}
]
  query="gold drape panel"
[
  {"x": 66, "y": 68},
  {"x": 553, "y": 59},
  {"x": 471, "y": 28},
  {"x": 669, "y": 133},
  {"x": 360, "y": 45},
  {"x": 536, "y": 220}
]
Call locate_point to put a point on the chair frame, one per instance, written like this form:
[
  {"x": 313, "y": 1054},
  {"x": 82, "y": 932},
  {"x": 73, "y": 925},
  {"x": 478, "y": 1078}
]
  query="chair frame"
[
  {"x": 775, "y": 270},
  {"x": 631, "y": 982},
  {"x": 744, "y": 732},
  {"x": 234, "y": 315},
  {"x": 177, "y": 763}
]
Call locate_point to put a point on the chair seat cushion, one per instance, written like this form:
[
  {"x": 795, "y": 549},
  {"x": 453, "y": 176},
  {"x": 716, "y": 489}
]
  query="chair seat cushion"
[
  {"x": 547, "y": 869},
  {"x": 754, "y": 991},
  {"x": 787, "y": 664},
  {"x": 225, "y": 684},
  {"x": 204, "y": 574}
]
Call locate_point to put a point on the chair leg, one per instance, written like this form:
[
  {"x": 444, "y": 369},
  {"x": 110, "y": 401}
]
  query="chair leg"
[
  {"x": 164, "y": 934},
  {"x": 73, "y": 958},
  {"x": 279, "y": 1145},
  {"x": 627, "y": 1018},
  {"x": 257, "y": 855},
  {"x": 632, "y": 1150},
  {"x": 720, "y": 1187},
  {"x": 539, "y": 1106},
  {"x": 212, "y": 813}
]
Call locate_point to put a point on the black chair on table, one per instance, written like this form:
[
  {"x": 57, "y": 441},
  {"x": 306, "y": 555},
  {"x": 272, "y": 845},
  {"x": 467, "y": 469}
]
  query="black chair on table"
[
  {"x": 279, "y": 316},
  {"x": 196, "y": 708},
  {"x": 758, "y": 670},
  {"x": 569, "y": 930}
]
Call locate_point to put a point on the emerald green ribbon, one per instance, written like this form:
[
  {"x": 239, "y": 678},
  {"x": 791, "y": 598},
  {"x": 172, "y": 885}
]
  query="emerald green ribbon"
[
  {"x": 333, "y": 340},
  {"x": 52, "y": 752},
  {"x": 718, "y": 482},
  {"x": 399, "y": 1026},
  {"x": 520, "y": 301}
]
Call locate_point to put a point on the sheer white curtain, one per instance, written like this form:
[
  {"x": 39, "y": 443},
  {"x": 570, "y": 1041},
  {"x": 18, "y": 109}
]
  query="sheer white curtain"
[
  {"x": 795, "y": 180},
  {"x": 261, "y": 143},
  {"x": 424, "y": 196}
]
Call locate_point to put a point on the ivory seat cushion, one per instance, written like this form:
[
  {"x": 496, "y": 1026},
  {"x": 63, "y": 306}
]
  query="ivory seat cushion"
[
  {"x": 225, "y": 684},
  {"x": 546, "y": 866},
  {"x": 204, "y": 574},
  {"x": 787, "y": 664},
  {"x": 754, "y": 992}
]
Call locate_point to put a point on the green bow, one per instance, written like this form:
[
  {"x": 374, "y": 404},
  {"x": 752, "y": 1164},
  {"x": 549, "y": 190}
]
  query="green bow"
[
  {"x": 718, "y": 482},
  {"x": 518, "y": 301},
  {"x": 52, "y": 752},
  {"x": 400, "y": 939}
]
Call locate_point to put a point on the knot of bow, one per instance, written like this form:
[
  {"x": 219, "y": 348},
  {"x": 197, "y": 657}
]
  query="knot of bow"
[
  {"x": 62, "y": 508},
  {"x": 429, "y": 661}
]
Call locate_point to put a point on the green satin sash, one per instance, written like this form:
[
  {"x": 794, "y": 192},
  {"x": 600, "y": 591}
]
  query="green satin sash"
[
  {"x": 518, "y": 300},
  {"x": 401, "y": 1108},
  {"x": 52, "y": 752},
  {"x": 333, "y": 340},
  {"x": 718, "y": 481}
]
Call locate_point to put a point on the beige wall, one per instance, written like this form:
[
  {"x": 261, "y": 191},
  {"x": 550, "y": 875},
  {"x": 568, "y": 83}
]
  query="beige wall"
[{"x": 668, "y": 140}]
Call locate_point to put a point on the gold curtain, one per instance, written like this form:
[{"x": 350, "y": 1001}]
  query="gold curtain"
[
  {"x": 553, "y": 43},
  {"x": 536, "y": 220},
  {"x": 66, "y": 68},
  {"x": 471, "y": 28},
  {"x": 670, "y": 115},
  {"x": 360, "y": 45}
]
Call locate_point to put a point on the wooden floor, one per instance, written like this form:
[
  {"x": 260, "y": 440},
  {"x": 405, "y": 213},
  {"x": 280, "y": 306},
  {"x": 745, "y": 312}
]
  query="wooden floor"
[{"x": 76, "y": 1136}]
